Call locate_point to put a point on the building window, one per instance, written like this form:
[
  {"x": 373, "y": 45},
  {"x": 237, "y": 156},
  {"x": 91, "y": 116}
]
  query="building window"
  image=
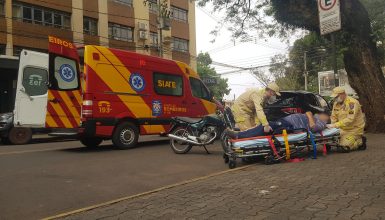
[
  {"x": 168, "y": 84},
  {"x": 126, "y": 2},
  {"x": 2, "y": 10},
  {"x": 120, "y": 32},
  {"x": 153, "y": 6},
  {"x": 2, "y": 49},
  {"x": 154, "y": 39},
  {"x": 90, "y": 26},
  {"x": 179, "y": 14},
  {"x": 41, "y": 16},
  {"x": 179, "y": 44}
]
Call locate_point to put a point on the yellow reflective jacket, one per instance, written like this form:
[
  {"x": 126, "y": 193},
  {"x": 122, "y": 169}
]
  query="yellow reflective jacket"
[
  {"x": 250, "y": 105},
  {"x": 348, "y": 116}
]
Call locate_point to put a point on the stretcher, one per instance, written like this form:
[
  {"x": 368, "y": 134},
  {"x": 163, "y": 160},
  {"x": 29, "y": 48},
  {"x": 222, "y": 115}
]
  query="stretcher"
[{"x": 278, "y": 147}]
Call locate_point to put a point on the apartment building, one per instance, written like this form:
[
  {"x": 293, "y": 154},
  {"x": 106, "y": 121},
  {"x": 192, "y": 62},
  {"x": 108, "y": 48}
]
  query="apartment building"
[{"x": 124, "y": 24}]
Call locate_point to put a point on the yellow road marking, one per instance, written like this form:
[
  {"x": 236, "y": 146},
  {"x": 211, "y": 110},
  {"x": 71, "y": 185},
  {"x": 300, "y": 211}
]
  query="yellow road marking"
[
  {"x": 30, "y": 151},
  {"x": 65, "y": 214}
]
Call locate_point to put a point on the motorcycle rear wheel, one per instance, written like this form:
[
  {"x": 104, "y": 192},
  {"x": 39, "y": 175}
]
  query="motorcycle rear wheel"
[{"x": 180, "y": 147}]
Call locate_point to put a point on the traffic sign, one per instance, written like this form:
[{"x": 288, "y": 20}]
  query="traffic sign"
[{"x": 329, "y": 16}]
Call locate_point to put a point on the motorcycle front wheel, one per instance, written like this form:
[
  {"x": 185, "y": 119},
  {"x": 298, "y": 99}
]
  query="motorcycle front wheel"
[{"x": 180, "y": 146}]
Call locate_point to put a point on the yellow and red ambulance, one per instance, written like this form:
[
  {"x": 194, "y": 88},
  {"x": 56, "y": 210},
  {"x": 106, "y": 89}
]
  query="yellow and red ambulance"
[{"x": 106, "y": 93}]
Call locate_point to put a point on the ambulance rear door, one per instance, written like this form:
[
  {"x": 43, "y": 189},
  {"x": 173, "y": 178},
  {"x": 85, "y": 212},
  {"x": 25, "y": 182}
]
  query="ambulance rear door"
[
  {"x": 31, "y": 90},
  {"x": 64, "y": 91}
]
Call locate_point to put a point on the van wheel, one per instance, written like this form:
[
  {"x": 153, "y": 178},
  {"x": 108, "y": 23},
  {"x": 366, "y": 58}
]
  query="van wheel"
[
  {"x": 125, "y": 136},
  {"x": 91, "y": 142},
  {"x": 20, "y": 135}
]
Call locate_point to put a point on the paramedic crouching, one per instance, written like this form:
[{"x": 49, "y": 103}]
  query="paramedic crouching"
[
  {"x": 348, "y": 117},
  {"x": 248, "y": 107},
  {"x": 316, "y": 123}
]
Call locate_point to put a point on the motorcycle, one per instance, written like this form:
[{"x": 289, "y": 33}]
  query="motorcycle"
[{"x": 188, "y": 132}]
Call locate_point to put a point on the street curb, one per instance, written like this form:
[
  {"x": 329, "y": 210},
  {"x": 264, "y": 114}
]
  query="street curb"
[{"x": 108, "y": 203}]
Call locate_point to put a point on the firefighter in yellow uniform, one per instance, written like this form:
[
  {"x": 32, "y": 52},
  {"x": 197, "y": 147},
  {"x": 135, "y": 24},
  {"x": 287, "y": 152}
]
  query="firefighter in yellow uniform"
[
  {"x": 348, "y": 117},
  {"x": 248, "y": 107}
]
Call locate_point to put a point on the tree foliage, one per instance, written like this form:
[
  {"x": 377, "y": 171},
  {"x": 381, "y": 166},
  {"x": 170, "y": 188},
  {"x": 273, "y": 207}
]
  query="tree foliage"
[
  {"x": 358, "y": 38},
  {"x": 204, "y": 70}
]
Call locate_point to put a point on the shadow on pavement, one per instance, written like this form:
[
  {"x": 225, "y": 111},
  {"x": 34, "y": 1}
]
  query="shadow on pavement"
[{"x": 110, "y": 147}]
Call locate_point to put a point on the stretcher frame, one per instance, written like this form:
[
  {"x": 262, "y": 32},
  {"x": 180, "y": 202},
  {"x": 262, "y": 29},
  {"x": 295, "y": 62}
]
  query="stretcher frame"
[{"x": 275, "y": 151}]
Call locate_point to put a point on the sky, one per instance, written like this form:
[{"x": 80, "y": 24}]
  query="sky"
[{"x": 239, "y": 54}]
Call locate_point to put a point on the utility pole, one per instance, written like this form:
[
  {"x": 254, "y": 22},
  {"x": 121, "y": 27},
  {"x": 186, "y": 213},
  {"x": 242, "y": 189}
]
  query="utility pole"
[
  {"x": 305, "y": 69},
  {"x": 336, "y": 76}
]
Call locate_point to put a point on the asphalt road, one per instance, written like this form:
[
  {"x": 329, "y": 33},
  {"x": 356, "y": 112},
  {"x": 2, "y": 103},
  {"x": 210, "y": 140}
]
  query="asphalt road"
[{"x": 47, "y": 178}]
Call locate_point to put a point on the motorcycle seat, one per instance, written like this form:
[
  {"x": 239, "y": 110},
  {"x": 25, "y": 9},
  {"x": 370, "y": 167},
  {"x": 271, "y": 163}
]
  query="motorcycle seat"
[{"x": 188, "y": 120}]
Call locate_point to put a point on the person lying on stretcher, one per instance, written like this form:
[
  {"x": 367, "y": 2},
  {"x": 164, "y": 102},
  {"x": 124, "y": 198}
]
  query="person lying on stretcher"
[{"x": 316, "y": 123}]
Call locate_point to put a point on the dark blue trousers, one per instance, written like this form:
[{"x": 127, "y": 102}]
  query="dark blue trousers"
[{"x": 277, "y": 126}]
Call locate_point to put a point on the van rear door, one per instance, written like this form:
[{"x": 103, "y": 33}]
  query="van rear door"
[
  {"x": 31, "y": 90},
  {"x": 64, "y": 91}
]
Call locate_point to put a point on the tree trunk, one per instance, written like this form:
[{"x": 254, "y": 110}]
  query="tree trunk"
[{"x": 361, "y": 63}]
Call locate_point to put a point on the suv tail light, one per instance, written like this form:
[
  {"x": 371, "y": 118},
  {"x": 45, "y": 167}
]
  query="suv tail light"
[
  {"x": 87, "y": 107},
  {"x": 292, "y": 110}
]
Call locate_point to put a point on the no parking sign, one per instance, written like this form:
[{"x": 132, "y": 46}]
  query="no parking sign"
[{"x": 329, "y": 16}]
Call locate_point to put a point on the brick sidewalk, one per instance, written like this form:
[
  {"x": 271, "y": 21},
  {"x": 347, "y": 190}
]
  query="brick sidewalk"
[{"x": 339, "y": 186}]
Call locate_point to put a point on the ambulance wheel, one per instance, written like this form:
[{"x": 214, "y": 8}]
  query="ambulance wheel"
[
  {"x": 232, "y": 164},
  {"x": 91, "y": 142},
  {"x": 125, "y": 136},
  {"x": 18, "y": 135}
]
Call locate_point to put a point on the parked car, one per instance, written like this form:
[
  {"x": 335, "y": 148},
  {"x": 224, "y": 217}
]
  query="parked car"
[
  {"x": 291, "y": 102},
  {"x": 13, "y": 135}
]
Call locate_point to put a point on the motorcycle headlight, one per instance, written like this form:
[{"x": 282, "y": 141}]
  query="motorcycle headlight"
[{"x": 5, "y": 117}]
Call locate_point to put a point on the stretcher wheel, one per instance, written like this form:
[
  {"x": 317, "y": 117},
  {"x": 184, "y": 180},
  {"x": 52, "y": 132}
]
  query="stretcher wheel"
[
  {"x": 232, "y": 164},
  {"x": 328, "y": 148},
  {"x": 226, "y": 158},
  {"x": 270, "y": 160}
]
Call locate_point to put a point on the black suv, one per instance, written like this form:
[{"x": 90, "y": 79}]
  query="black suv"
[{"x": 291, "y": 102}]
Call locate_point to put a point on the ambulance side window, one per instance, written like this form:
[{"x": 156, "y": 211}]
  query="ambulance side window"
[
  {"x": 168, "y": 84},
  {"x": 35, "y": 81},
  {"x": 65, "y": 75},
  {"x": 199, "y": 90}
]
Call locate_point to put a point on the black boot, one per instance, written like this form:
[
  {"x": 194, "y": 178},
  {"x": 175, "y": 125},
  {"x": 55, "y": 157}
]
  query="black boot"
[
  {"x": 341, "y": 149},
  {"x": 232, "y": 134},
  {"x": 363, "y": 146}
]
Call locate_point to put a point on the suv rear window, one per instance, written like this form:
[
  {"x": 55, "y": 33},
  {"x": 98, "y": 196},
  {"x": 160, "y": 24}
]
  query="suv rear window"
[
  {"x": 286, "y": 99},
  {"x": 322, "y": 102}
]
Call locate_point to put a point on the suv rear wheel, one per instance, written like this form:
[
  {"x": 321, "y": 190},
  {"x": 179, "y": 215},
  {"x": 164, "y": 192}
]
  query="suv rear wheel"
[
  {"x": 18, "y": 135},
  {"x": 125, "y": 136}
]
